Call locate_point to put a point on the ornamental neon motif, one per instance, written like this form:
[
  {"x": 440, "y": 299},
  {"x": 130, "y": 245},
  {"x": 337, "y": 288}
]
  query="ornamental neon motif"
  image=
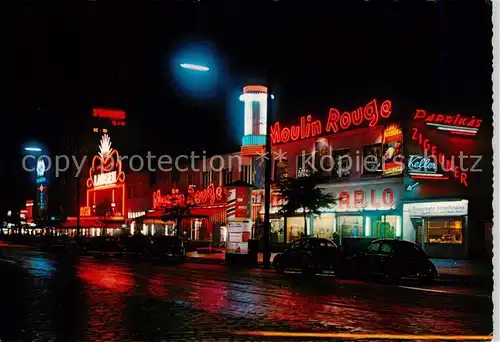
[
  {"x": 455, "y": 124},
  {"x": 106, "y": 166},
  {"x": 371, "y": 114}
]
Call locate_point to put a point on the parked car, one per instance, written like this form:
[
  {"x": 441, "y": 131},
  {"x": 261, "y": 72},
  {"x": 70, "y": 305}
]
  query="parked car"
[
  {"x": 57, "y": 244},
  {"x": 310, "y": 255},
  {"x": 137, "y": 246},
  {"x": 394, "y": 259},
  {"x": 104, "y": 246},
  {"x": 169, "y": 247}
]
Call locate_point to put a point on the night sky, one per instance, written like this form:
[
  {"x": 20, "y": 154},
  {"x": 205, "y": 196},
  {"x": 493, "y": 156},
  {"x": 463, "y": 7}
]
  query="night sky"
[{"x": 70, "y": 58}]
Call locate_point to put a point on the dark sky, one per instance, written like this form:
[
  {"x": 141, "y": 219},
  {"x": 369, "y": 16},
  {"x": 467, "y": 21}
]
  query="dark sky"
[{"x": 75, "y": 56}]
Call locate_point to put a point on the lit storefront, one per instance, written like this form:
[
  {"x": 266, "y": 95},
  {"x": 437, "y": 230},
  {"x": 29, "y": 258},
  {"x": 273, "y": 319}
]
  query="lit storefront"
[
  {"x": 438, "y": 183},
  {"x": 203, "y": 221},
  {"x": 105, "y": 202},
  {"x": 441, "y": 228}
]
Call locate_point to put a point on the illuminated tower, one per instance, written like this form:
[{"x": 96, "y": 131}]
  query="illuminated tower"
[
  {"x": 255, "y": 99},
  {"x": 253, "y": 142}
]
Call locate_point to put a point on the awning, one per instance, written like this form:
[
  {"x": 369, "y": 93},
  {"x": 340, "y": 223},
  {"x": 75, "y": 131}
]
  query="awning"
[{"x": 215, "y": 214}]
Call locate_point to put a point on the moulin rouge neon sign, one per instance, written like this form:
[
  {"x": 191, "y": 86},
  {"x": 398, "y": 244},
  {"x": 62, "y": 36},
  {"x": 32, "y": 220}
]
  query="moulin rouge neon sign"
[
  {"x": 371, "y": 113},
  {"x": 208, "y": 196}
]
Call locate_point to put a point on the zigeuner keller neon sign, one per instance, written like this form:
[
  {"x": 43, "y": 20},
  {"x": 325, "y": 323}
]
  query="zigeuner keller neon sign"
[{"x": 370, "y": 114}]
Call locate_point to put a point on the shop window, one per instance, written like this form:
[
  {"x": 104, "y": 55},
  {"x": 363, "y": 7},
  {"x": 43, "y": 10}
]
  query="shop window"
[
  {"x": 372, "y": 159},
  {"x": 305, "y": 164},
  {"x": 280, "y": 169},
  {"x": 342, "y": 163},
  {"x": 295, "y": 228},
  {"x": 322, "y": 158},
  {"x": 444, "y": 231},
  {"x": 351, "y": 226},
  {"x": 383, "y": 227},
  {"x": 278, "y": 230},
  {"x": 323, "y": 226}
]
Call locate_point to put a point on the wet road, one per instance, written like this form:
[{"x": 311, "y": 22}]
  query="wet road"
[{"x": 48, "y": 298}]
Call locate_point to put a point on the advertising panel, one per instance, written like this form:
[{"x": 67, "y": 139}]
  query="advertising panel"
[
  {"x": 392, "y": 160},
  {"x": 238, "y": 236}
]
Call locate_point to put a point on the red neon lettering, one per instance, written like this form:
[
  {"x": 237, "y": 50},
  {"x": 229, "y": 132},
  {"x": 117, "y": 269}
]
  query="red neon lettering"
[
  {"x": 433, "y": 150},
  {"x": 307, "y": 128},
  {"x": 345, "y": 120},
  {"x": 333, "y": 118},
  {"x": 371, "y": 112},
  {"x": 275, "y": 133},
  {"x": 359, "y": 198},
  {"x": 109, "y": 113},
  {"x": 295, "y": 133},
  {"x": 454, "y": 120},
  {"x": 414, "y": 134},
  {"x": 456, "y": 172},
  {"x": 388, "y": 197},
  {"x": 285, "y": 134},
  {"x": 344, "y": 199},
  {"x": 316, "y": 128},
  {"x": 419, "y": 114},
  {"x": 373, "y": 202},
  {"x": 426, "y": 144},
  {"x": 357, "y": 116},
  {"x": 463, "y": 179},
  {"x": 304, "y": 127},
  {"x": 386, "y": 109}
]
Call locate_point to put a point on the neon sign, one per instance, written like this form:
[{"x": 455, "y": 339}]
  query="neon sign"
[
  {"x": 336, "y": 122},
  {"x": 443, "y": 160},
  {"x": 106, "y": 167},
  {"x": 455, "y": 124},
  {"x": 421, "y": 164},
  {"x": 109, "y": 114},
  {"x": 103, "y": 179},
  {"x": 208, "y": 196},
  {"x": 362, "y": 200}
]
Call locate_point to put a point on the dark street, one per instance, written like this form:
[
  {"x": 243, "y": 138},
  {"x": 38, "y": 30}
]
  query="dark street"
[{"x": 48, "y": 298}]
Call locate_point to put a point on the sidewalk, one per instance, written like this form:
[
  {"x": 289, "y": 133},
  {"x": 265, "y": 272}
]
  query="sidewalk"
[
  {"x": 219, "y": 258},
  {"x": 463, "y": 268}
]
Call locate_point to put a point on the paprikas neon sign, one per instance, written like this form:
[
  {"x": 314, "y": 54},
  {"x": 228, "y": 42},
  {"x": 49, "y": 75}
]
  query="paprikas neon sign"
[
  {"x": 106, "y": 169},
  {"x": 371, "y": 114},
  {"x": 455, "y": 124}
]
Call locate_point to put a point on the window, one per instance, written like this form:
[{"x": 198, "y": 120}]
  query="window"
[
  {"x": 322, "y": 159},
  {"x": 444, "y": 231},
  {"x": 277, "y": 230},
  {"x": 372, "y": 159},
  {"x": 305, "y": 164},
  {"x": 295, "y": 228},
  {"x": 373, "y": 247},
  {"x": 388, "y": 227},
  {"x": 342, "y": 163},
  {"x": 256, "y": 117},
  {"x": 323, "y": 226},
  {"x": 351, "y": 226},
  {"x": 386, "y": 249},
  {"x": 280, "y": 169}
]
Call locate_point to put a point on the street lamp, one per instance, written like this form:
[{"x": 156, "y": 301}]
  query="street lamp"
[
  {"x": 33, "y": 149},
  {"x": 196, "y": 67}
]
